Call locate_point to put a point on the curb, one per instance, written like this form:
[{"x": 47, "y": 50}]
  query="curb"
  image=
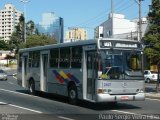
[{"x": 153, "y": 95}]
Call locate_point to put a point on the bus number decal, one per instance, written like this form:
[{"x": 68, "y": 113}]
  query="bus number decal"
[{"x": 107, "y": 84}]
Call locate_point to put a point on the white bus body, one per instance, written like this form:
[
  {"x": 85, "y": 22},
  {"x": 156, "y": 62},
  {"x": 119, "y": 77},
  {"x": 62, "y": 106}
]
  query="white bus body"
[{"x": 103, "y": 70}]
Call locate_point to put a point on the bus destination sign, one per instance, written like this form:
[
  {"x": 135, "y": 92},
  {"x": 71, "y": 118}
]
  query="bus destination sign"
[{"x": 118, "y": 44}]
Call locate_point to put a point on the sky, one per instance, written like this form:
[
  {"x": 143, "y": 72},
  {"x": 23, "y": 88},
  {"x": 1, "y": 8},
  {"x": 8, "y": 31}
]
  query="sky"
[{"x": 79, "y": 13}]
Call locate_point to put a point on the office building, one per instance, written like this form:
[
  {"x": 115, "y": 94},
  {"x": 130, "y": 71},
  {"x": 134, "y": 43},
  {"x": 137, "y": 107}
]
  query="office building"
[
  {"x": 52, "y": 26},
  {"x": 9, "y": 18}
]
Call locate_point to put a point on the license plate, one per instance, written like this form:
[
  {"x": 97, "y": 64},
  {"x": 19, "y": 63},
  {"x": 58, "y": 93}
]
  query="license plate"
[{"x": 124, "y": 97}]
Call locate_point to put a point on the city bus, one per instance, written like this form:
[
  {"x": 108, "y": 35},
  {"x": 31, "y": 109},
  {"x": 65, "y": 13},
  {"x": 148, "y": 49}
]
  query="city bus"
[{"x": 98, "y": 70}]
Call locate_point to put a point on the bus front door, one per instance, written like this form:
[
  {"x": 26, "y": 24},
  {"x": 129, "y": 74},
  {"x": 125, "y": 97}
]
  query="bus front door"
[
  {"x": 24, "y": 70},
  {"x": 91, "y": 74},
  {"x": 44, "y": 72}
]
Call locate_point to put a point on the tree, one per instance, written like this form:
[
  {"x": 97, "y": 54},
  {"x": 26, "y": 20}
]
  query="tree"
[
  {"x": 38, "y": 40},
  {"x": 17, "y": 38},
  {"x": 152, "y": 37},
  {"x": 30, "y": 27},
  {"x": 20, "y": 29},
  {"x": 4, "y": 45},
  {"x": 8, "y": 58}
]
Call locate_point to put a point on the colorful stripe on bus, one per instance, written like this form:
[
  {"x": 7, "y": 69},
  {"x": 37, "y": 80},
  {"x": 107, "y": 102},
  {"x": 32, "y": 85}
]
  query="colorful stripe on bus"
[{"x": 62, "y": 77}]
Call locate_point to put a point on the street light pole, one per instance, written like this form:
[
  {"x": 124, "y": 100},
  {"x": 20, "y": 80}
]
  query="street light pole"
[{"x": 24, "y": 7}]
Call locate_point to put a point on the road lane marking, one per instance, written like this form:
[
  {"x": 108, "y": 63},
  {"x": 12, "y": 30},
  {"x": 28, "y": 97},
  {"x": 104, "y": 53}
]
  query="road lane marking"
[
  {"x": 3, "y": 103},
  {"x": 21, "y": 107},
  {"x": 15, "y": 77},
  {"x": 19, "y": 93},
  {"x": 65, "y": 118},
  {"x": 36, "y": 111}
]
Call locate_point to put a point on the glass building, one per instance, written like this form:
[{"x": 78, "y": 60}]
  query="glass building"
[{"x": 52, "y": 26}]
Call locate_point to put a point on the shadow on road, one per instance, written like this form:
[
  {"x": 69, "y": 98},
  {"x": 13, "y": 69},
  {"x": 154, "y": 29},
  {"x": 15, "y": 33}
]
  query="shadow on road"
[
  {"x": 85, "y": 104},
  {"x": 107, "y": 106},
  {"x": 23, "y": 91}
]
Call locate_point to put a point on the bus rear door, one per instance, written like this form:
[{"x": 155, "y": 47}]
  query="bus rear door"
[
  {"x": 44, "y": 70},
  {"x": 24, "y": 69}
]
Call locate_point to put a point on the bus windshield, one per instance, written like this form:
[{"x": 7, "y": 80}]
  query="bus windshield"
[{"x": 121, "y": 65}]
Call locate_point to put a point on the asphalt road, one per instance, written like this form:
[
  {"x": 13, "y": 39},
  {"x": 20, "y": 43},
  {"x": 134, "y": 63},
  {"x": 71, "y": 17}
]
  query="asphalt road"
[{"x": 16, "y": 103}]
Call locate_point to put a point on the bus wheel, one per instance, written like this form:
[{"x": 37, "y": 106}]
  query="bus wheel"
[
  {"x": 72, "y": 94},
  {"x": 32, "y": 87}
]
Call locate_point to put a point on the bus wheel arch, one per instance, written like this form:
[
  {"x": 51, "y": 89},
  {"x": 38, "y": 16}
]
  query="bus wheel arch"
[
  {"x": 72, "y": 93},
  {"x": 32, "y": 86}
]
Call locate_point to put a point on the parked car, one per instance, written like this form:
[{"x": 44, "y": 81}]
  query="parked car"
[
  {"x": 150, "y": 75},
  {"x": 3, "y": 75}
]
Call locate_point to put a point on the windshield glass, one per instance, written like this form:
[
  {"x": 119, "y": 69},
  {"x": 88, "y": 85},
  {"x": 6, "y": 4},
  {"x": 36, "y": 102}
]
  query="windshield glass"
[{"x": 121, "y": 65}]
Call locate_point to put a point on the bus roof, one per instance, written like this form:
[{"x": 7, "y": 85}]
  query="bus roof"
[{"x": 77, "y": 43}]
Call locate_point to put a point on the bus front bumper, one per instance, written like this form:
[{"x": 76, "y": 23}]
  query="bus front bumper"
[{"x": 112, "y": 98}]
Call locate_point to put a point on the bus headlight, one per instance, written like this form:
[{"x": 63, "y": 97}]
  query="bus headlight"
[
  {"x": 109, "y": 91},
  {"x": 99, "y": 91},
  {"x": 139, "y": 90},
  {"x": 104, "y": 91}
]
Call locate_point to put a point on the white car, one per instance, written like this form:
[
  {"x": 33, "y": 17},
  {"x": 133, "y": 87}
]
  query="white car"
[
  {"x": 150, "y": 75},
  {"x": 3, "y": 75}
]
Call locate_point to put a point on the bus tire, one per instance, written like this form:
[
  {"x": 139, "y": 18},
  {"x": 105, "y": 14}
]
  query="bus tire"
[
  {"x": 32, "y": 87},
  {"x": 72, "y": 94}
]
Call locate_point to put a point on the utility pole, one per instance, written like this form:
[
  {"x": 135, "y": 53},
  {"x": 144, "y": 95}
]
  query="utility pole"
[
  {"x": 112, "y": 16},
  {"x": 140, "y": 19},
  {"x": 112, "y": 7},
  {"x": 140, "y": 32}
]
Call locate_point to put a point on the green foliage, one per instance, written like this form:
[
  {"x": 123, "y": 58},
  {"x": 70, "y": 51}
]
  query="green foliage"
[
  {"x": 38, "y": 40},
  {"x": 30, "y": 28},
  {"x": 152, "y": 37},
  {"x": 4, "y": 45},
  {"x": 17, "y": 38},
  {"x": 15, "y": 42}
]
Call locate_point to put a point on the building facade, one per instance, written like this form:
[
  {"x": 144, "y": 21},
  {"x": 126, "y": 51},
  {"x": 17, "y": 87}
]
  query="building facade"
[
  {"x": 75, "y": 34},
  {"x": 117, "y": 26},
  {"x": 52, "y": 26},
  {"x": 9, "y": 18}
]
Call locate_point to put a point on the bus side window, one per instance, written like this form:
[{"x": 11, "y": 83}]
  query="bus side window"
[
  {"x": 64, "y": 58},
  {"x": 19, "y": 62},
  {"x": 37, "y": 59},
  {"x": 34, "y": 58},
  {"x": 76, "y": 58},
  {"x": 54, "y": 57}
]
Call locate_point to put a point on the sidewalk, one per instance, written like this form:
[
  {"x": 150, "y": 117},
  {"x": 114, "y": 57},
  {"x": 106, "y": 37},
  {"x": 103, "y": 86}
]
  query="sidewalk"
[{"x": 151, "y": 93}]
